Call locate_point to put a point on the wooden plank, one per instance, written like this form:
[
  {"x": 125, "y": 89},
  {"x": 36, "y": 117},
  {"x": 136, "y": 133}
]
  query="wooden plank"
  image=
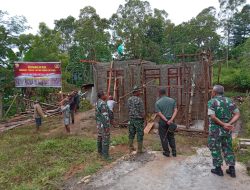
[
  {"x": 206, "y": 95},
  {"x": 244, "y": 144},
  {"x": 153, "y": 116},
  {"x": 148, "y": 127},
  {"x": 241, "y": 139}
]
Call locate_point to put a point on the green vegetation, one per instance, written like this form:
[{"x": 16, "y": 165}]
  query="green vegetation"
[
  {"x": 236, "y": 75},
  {"x": 41, "y": 161},
  {"x": 244, "y": 156},
  {"x": 245, "y": 116},
  {"x": 85, "y": 105},
  {"x": 121, "y": 139}
]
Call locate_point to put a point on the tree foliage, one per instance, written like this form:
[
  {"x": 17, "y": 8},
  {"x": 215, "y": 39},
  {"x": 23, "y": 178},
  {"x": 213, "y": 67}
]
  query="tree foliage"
[{"x": 10, "y": 29}]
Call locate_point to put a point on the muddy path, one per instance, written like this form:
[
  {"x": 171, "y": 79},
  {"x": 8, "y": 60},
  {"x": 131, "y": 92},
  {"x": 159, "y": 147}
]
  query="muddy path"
[{"x": 152, "y": 171}]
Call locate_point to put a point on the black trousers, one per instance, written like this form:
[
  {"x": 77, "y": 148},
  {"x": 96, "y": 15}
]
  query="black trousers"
[{"x": 167, "y": 138}]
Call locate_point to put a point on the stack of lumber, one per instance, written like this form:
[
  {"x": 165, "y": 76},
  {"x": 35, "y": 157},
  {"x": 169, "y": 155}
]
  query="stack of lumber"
[
  {"x": 26, "y": 117},
  {"x": 244, "y": 143}
]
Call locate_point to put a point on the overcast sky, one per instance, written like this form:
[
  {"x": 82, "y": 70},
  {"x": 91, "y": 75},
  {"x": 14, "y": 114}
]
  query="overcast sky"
[{"x": 47, "y": 11}]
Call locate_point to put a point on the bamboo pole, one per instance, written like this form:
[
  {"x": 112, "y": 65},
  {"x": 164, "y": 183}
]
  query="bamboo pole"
[
  {"x": 56, "y": 106},
  {"x": 11, "y": 105},
  {"x": 110, "y": 77}
]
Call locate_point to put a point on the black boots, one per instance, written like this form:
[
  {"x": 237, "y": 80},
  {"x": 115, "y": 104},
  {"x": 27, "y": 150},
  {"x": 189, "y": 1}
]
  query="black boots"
[
  {"x": 218, "y": 171},
  {"x": 139, "y": 148},
  {"x": 105, "y": 153},
  {"x": 131, "y": 146},
  {"x": 166, "y": 154},
  {"x": 231, "y": 171},
  {"x": 99, "y": 147}
]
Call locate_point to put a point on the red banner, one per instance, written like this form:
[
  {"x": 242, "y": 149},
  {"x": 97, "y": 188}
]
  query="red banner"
[{"x": 38, "y": 74}]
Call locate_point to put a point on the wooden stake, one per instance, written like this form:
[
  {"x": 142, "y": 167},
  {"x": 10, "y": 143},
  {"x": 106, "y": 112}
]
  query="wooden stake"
[
  {"x": 11, "y": 105},
  {"x": 110, "y": 77}
]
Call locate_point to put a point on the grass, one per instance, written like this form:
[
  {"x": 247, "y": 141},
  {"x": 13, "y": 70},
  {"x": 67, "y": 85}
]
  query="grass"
[
  {"x": 29, "y": 160},
  {"x": 245, "y": 133},
  {"x": 245, "y": 116},
  {"x": 120, "y": 139}
]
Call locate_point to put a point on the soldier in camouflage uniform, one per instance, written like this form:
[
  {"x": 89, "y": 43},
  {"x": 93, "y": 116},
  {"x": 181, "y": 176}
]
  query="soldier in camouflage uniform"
[
  {"x": 222, "y": 114},
  {"x": 103, "y": 125},
  {"x": 136, "y": 119}
]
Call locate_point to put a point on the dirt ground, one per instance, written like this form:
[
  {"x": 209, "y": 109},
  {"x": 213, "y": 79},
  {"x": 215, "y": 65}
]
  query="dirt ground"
[{"x": 153, "y": 171}]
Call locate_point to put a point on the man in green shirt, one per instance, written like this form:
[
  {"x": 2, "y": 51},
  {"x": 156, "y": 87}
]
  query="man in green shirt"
[{"x": 166, "y": 109}]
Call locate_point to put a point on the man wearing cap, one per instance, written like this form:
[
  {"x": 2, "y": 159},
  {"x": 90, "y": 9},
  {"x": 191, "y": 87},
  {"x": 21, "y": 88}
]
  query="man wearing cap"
[
  {"x": 136, "y": 120},
  {"x": 103, "y": 125},
  {"x": 166, "y": 109},
  {"x": 222, "y": 114}
]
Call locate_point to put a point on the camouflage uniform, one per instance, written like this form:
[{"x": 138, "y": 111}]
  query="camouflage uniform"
[
  {"x": 219, "y": 138},
  {"x": 103, "y": 127},
  {"x": 136, "y": 121}
]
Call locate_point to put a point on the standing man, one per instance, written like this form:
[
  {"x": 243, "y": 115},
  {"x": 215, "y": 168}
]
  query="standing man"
[
  {"x": 111, "y": 104},
  {"x": 65, "y": 108},
  {"x": 38, "y": 114},
  {"x": 166, "y": 109},
  {"x": 103, "y": 125},
  {"x": 77, "y": 100},
  {"x": 222, "y": 114},
  {"x": 136, "y": 120},
  {"x": 72, "y": 103}
]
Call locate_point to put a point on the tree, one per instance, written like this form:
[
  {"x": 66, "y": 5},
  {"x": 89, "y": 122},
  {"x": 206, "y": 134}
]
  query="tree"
[
  {"x": 92, "y": 35},
  {"x": 91, "y": 40},
  {"x": 228, "y": 8},
  {"x": 194, "y": 35},
  {"x": 241, "y": 26},
  {"x": 128, "y": 26},
  {"x": 10, "y": 29},
  {"x": 203, "y": 30},
  {"x": 45, "y": 46},
  {"x": 67, "y": 29},
  {"x": 154, "y": 44}
]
